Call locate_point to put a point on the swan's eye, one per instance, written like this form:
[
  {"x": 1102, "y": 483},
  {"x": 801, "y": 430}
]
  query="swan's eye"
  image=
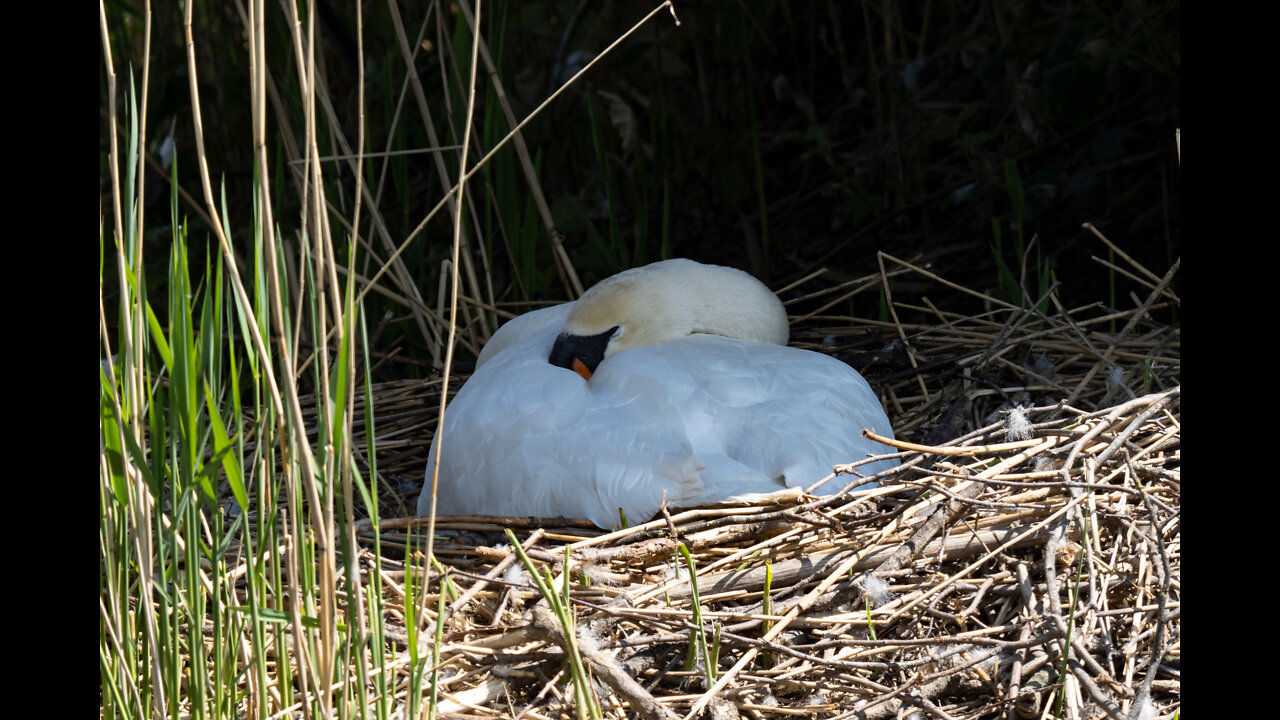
[{"x": 616, "y": 332}]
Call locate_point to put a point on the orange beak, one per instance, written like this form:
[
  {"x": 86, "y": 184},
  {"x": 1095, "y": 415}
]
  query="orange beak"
[{"x": 581, "y": 369}]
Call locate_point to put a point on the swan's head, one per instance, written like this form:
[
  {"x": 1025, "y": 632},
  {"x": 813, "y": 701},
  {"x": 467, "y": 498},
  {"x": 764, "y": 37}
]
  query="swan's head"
[{"x": 666, "y": 301}]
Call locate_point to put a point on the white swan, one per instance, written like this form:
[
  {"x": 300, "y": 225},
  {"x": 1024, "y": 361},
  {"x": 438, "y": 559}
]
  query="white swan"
[{"x": 685, "y": 388}]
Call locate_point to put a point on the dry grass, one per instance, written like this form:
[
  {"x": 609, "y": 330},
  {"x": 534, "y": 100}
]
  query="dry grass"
[{"x": 1037, "y": 506}]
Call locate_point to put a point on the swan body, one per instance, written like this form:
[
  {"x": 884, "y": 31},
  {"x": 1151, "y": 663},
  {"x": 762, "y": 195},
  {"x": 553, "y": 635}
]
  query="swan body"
[{"x": 685, "y": 391}]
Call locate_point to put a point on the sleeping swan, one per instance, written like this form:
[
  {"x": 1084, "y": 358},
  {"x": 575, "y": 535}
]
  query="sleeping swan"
[{"x": 672, "y": 380}]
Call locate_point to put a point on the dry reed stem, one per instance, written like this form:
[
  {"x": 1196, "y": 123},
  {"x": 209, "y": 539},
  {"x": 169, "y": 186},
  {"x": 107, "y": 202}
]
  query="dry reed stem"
[{"x": 510, "y": 135}]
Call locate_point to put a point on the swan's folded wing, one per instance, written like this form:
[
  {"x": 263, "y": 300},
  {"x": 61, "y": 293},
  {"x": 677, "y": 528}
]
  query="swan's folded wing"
[{"x": 762, "y": 417}]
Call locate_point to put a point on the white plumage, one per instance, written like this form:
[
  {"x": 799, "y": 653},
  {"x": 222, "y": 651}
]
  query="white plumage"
[{"x": 674, "y": 407}]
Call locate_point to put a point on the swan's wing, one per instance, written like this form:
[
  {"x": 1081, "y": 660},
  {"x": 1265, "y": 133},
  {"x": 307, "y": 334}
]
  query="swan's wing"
[
  {"x": 761, "y": 417},
  {"x": 810, "y": 417}
]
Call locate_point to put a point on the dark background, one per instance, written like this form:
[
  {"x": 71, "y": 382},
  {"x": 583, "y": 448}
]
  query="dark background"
[{"x": 778, "y": 137}]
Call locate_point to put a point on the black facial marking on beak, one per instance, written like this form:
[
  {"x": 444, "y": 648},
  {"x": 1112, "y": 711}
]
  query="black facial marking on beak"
[{"x": 580, "y": 352}]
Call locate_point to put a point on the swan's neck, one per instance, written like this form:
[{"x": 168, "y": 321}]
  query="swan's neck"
[{"x": 676, "y": 298}]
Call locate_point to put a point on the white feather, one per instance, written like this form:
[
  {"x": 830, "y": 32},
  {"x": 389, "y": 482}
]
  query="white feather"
[{"x": 700, "y": 419}]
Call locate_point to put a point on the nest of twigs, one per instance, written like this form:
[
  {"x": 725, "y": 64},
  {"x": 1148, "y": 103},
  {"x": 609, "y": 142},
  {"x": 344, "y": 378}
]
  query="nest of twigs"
[{"x": 1023, "y": 561}]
